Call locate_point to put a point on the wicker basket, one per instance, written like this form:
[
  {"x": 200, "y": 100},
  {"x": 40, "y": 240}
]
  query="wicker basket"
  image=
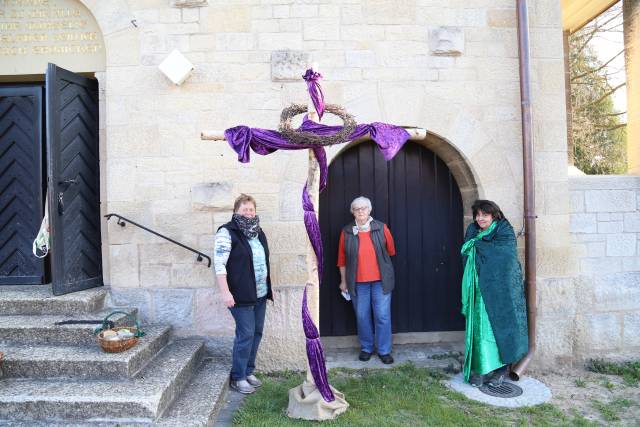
[{"x": 119, "y": 345}]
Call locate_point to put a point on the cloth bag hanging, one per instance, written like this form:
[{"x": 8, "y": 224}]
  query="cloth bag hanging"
[{"x": 42, "y": 242}]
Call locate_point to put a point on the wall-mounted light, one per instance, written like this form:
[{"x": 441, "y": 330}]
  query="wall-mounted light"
[{"x": 176, "y": 67}]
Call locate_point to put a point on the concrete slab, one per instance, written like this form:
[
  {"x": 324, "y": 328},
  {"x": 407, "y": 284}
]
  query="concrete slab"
[
  {"x": 440, "y": 356},
  {"x": 534, "y": 393}
]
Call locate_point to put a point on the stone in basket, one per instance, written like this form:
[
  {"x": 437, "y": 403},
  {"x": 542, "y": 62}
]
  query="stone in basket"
[{"x": 121, "y": 338}]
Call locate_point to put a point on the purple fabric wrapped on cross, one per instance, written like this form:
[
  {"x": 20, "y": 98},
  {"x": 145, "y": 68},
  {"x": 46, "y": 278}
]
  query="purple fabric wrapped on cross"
[{"x": 242, "y": 139}]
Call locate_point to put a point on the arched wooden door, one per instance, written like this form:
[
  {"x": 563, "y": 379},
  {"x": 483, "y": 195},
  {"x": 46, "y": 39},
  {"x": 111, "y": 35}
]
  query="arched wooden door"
[{"x": 416, "y": 195}]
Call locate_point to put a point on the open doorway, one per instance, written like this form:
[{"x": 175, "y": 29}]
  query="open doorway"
[{"x": 49, "y": 149}]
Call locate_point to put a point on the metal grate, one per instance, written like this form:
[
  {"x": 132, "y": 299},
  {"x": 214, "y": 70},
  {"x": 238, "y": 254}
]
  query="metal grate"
[{"x": 506, "y": 390}]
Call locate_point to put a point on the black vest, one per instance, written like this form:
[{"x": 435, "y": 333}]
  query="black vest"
[
  {"x": 351, "y": 246},
  {"x": 241, "y": 277}
]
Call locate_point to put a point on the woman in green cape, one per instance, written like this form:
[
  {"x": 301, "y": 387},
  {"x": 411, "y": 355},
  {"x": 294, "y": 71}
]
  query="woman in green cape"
[{"x": 493, "y": 300}]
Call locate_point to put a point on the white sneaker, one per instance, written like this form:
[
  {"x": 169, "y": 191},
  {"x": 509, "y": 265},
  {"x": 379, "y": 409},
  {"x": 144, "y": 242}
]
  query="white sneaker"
[
  {"x": 241, "y": 386},
  {"x": 255, "y": 382}
]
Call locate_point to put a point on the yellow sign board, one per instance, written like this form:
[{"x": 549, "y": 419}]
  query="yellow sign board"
[{"x": 36, "y": 32}]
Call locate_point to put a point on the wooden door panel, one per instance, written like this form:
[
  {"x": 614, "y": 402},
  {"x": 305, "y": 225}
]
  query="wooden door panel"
[
  {"x": 74, "y": 180},
  {"x": 21, "y": 205},
  {"x": 416, "y": 195}
]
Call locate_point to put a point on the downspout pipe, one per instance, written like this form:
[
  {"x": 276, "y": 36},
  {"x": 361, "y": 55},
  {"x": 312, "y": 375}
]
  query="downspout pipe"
[{"x": 529, "y": 184}]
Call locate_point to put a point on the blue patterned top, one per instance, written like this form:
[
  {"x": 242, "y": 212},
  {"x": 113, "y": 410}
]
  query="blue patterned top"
[{"x": 222, "y": 249}]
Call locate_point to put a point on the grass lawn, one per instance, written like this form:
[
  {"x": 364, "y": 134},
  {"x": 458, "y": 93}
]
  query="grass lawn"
[{"x": 403, "y": 396}]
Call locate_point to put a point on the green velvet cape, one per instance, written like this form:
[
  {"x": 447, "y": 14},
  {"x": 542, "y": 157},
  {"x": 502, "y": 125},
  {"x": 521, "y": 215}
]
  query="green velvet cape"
[{"x": 500, "y": 281}]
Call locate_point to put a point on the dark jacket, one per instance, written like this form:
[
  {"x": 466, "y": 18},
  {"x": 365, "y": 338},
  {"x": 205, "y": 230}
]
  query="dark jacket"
[
  {"x": 351, "y": 246},
  {"x": 241, "y": 277}
]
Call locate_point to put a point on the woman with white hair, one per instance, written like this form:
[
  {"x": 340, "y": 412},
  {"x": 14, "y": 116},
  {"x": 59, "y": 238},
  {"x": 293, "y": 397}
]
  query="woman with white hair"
[{"x": 364, "y": 259}]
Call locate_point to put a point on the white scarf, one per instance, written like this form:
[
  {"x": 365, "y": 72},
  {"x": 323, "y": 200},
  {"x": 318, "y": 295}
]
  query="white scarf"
[{"x": 365, "y": 227}]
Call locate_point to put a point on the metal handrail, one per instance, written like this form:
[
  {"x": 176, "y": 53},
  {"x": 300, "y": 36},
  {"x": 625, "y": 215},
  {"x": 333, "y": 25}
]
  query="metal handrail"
[{"x": 122, "y": 221}]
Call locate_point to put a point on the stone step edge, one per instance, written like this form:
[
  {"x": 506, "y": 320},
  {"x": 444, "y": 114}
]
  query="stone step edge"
[
  {"x": 145, "y": 407},
  {"x": 41, "y": 329},
  {"x": 23, "y": 301},
  {"x": 203, "y": 397},
  {"x": 133, "y": 360}
]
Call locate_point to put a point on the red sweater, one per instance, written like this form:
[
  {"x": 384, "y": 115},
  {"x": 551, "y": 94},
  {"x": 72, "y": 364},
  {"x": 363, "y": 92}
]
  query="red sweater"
[{"x": 368, "y": 270}]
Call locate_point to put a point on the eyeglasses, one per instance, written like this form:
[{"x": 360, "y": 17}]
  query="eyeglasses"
[{"x": 361, "y": 209}]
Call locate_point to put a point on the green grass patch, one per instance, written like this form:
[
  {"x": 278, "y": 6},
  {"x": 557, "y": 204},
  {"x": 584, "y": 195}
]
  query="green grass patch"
[
  {"x": 404, "y": 395},
  {"x": 610, "y": 411},
  {"x": 581, "y": 383},
  {"x": 606, "y": 383},
  {"x": 629, "y": 371}
]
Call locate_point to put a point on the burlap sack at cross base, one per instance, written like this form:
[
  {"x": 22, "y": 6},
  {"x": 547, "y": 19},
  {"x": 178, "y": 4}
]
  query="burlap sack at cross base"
[{"x": 306, "y": 402}]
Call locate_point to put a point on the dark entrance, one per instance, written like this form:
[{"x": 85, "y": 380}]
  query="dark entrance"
[
  {"x": 69, "y": 121},
  {"x": 416, "y": 195},
  {"x": 21, "y": 184}
]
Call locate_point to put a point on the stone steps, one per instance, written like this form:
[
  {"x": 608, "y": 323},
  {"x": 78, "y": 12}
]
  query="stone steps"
[
  {"x": 197, "y": 406},
  {"x": 40, "y": 300},
  {"x": 203, "y": 398},
  {"x": 82, "y": 362},
  {"x": 57, "y": 375},
  {"x": 141, "y": 399},
  {"x": 42, "y": 329}
]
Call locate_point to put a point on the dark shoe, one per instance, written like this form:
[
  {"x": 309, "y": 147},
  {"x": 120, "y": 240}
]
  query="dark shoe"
[
  {"x": 364, "y": 356},
  {"x": 387, "y": 359},
  {"x": 497, "y": 377},
  {"x": 476, "y": 380}
]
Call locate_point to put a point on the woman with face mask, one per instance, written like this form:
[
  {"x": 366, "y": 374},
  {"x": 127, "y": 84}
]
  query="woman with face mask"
[{"x": 241, "y": 262}]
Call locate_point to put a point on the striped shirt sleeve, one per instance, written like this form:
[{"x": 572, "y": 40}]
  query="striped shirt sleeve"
[{"x": 221, "y": 251}]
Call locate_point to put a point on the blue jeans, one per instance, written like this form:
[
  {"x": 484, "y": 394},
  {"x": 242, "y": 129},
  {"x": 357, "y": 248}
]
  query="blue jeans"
[
  {"x": 369, "y": 297},
  {"x": 249, "y": 326}
]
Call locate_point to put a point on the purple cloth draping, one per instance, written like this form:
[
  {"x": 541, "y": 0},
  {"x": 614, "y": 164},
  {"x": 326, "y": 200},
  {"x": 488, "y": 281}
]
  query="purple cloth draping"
[
  {"x": 315, "y": 354},
  {"x": 315, "y": 90},
  {"x": 242, "y": 139}
]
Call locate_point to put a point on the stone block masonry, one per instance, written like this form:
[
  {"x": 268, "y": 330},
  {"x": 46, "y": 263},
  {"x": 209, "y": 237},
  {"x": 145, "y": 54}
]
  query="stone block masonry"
[
  {"x": 605, "y": 233},
  {"x": 450, "y": 67}
]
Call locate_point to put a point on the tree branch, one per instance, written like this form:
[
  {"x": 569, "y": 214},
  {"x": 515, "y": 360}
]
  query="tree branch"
[
  {"x": 610, "y": 128},
  {"x": 595, "y": 70},
  {"x": 602, "y": 98}
]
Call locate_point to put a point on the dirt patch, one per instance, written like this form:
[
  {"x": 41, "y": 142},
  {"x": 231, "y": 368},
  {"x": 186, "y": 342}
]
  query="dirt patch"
[{"x": 603, "y": 399}]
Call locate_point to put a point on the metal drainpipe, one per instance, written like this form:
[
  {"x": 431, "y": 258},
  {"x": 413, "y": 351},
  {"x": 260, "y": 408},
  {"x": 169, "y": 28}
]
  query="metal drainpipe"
[{"x": 529, "y": 184}]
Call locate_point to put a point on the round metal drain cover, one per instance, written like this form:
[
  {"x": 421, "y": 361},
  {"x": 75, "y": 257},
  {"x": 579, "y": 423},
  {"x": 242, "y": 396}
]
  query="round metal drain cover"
[{"x": 506, "y": 390}]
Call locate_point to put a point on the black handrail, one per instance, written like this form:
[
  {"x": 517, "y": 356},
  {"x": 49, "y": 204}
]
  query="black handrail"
[{"x": 122, "y": 221}]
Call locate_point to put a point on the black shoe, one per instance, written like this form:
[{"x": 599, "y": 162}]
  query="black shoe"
[
  {"x": 476, "y": 380},
  {"x": 387, "y": 359},
  {"x": 497, "y": 377},
  {"x": 364, "y": 356}
]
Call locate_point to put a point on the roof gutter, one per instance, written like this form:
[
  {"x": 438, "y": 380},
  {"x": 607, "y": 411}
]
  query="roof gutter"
[{"x": 529, "y": 184}]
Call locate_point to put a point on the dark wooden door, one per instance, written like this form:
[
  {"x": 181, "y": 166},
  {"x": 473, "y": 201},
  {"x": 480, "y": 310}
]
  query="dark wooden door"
[
  {"x": 74, "y": 180},
  {"x": 21, "y": 203},
  {"x": 418, "y": 198}
]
